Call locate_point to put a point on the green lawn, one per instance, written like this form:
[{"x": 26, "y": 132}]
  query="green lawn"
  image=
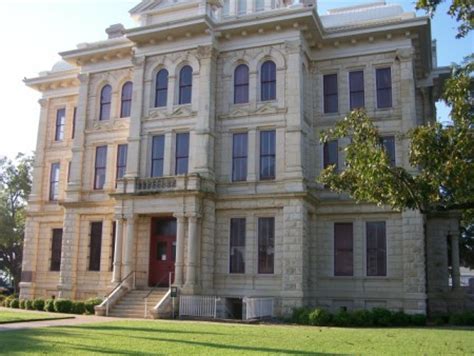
[
  {"x": 7, "y": 316},
  {"x": 191, "y": 338}
]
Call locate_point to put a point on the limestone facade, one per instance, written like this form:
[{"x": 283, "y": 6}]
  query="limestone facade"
[{"x": 213, "y": 38}]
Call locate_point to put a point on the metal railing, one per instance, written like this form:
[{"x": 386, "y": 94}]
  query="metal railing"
[
  {"x": 258, "y": 308},
  {"x": 155, "y": 287},
  {"x": 198, "y": 306},
  {"x": 109, "y": 297}
]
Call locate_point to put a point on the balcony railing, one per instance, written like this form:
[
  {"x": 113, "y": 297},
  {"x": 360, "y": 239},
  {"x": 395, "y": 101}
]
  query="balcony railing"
[{"x": 153, "y": 185}]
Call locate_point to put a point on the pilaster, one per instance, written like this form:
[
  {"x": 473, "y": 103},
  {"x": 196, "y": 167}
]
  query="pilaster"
[{"x": 69, "y": 255}]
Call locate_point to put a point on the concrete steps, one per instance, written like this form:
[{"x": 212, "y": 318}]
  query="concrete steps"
[{"x": 132, "y": 305}]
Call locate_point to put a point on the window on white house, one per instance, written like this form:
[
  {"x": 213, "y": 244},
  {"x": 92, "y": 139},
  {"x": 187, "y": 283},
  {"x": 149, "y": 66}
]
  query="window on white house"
[
  {"x": 343, "y": 249},
  {"x": 60, "y": 123},
  {"x": 54, "y": 182},
  {"x": 100, "y": 167},
  {"x": 331, "y": 104},
  {"x": 95, "y": 246},
  {"x": 157, "y": 155},
  {"x": 376, "y": 249},
  {"x": 237, "y": 246},
  {"x": 56, "y": 247},
  {"x": 384, "y": 87},
  {"x": 266, "y": 245},
  {"x": 356, "y": 88},
  {"x": 239, "y": 157}
]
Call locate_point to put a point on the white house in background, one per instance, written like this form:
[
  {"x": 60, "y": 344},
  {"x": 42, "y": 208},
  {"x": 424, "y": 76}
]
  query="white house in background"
[{"x": 185, "y": 151}]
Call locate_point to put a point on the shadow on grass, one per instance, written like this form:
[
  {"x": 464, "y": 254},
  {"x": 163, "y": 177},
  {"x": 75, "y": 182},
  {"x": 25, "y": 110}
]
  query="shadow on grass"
[
  {"x": 62, "y": 339},
  {"x": 131, "y": 328}
]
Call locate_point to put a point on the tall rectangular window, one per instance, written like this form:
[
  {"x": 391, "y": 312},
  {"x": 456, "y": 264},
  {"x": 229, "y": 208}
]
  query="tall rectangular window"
[
  {"x": 157, "y": 155},
  {"x": 388, "y": 143},
  {"x": 356, "y": 88},
  {"x": 56, "y": 247},
  {"x": 60, "y": 122},
  {"x": 237, "y": 246},
  {"x": 384, "y": 87},
  {"x": 69, "y": 171},
  {"x": 74, "y": 115},
  {"x": 241, "y": 7},
  {"x": 100, "y": 167},
  {"x": 330, "y": 93},
  {"x": 331, "y": 154},
  {"x": 95, "y": 247},
  {"x": 376, "y": 249},
  {"x": 267, "y": 155},
  {"x": 259, "y": 5},
  {"x": 182, "y": 153},
  {"x": 54, "y": 182},
  {"x": 239, "y": 157},
  {"x": 266, "y": 245},
  {"x": 112, "y": 249},
  {"x": 122, "y": 151},
  {"x": 343, "y": 249}
]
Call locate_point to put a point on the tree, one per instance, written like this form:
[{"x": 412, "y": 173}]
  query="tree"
[
  {"x": 462, "y": 10},
  {"x": 15, "y": 186}
]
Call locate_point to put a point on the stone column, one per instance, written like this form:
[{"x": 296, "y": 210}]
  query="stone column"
[
  {"x": 252, "y": 159},
  {"x": 456, "y": 275},
  {"x": 129, "y": 249},
  {"x": 74, "y": 186},
  {"x": 69, "y": 254},
  {"x": 191, "y": 270},
  {"x": 38, "y": 165},
  {"x": 202, "y": 159},
  {"x": 117, "y": 273},
  {"x": 179, "y": 262},
  {"x": 133, "y": 157}
]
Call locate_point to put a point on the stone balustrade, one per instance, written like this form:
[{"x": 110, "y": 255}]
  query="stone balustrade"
[{"x": 151, "y": 185}]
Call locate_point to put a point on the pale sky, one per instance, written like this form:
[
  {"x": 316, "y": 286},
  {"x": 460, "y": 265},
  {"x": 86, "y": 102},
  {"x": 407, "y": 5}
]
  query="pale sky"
[{"x": 33, "y": 32}]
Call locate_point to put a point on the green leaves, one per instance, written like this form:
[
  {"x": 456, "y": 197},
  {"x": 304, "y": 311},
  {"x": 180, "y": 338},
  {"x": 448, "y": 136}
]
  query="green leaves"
[{"x": 440, "y": 175}]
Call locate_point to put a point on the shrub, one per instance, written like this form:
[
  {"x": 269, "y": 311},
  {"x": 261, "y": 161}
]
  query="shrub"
[
  {"x": 7, "y": 301},
  {"x": 342, "y": 318},
  {"x": 319, "y": 317},
  {"x": 382, "y": 317},
  {"x": 2, "y": 299},
  {"x": 29, "y": 304},
  {"x": 78, "y": 307},
  {"x": 49, "y": 305},
  {"x": 418, "y": 319},
  {"x": 38, "y": 304},
  {"x": 62, "y": 305},
  {"x": 22, "y": 303},
  {"x": 362, "y": 318},
  {"x": 14, "y": 303},
  {"x": 400, "y": 319},
  {"x": 301, "y": 316},
  {"x": 91, "y": 303},
  {"x": 466, "y": 319}
]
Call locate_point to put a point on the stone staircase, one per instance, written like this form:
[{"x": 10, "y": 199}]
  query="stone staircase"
[{"x": 132, "y": 304}]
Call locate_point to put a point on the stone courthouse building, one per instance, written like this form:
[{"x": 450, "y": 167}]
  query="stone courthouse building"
[{"x": 185, "y": 151}]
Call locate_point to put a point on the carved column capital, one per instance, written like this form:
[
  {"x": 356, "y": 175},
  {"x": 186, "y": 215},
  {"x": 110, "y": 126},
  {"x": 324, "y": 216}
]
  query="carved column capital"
[
  {"x": 83, "y": 77},
  {"x": 138, "y": 62},
  {"x": 43, "y": 102}
]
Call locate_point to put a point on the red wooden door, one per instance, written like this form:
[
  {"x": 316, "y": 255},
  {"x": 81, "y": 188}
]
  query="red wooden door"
[{"x": 162, "y": 259}]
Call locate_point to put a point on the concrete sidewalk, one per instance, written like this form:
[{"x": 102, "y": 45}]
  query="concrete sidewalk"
[{"x": 73, "y": 320}]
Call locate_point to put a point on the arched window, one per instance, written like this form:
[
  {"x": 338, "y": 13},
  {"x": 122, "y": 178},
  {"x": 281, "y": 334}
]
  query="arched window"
[
  {"x": 268, "y": 81},
  {"x": 161, "y": 88},
  {"x": 241, "y": 84},
  {"x": 126, "y": 107},
  {"x": 105, "y": 102},
  {"x": 185, "y": 85}
]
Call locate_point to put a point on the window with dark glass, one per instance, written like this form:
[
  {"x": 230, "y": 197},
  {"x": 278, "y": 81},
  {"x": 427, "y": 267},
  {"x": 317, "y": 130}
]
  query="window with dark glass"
[
  {"x": 95, "y": 247},
  {"x": 267, "y": 155},
  {"x": 112, "y": 247},
  {"x": 331, "y": 152},
  {"x": 105, "y": 102},
  {"x": 241, "y": 84},
  {"x": 69, "y": 171},
  {"x": 388, "y": 143},
  {"x": 182, "y": 153},
  {"x": 266, "y": 245},
  {"x": 60, "y": 122},
  {"x": 127, "y": 92},
  {"x": 56, "y": 247},
  {"x": 376, "y": 249},
  {"x": 73, "y": 131},
  {"x": 54, "y": 182},
  {"x": 331, "y": 104},
  {"x": 239, "y": 157},
  {"x": 100, "y": 167},
  {"x": 122, "y": 151},
  {"x": 157, "y": 155},
  {"x": 356, "y": 88},
  {"x": 185, "y": 85},
  {"x": 237, "y": 246},
  {"x": 268, "y": 81},
  {"x": 161, "y": 90},
  {"x": 384, "y": 87},
  {"x": 343, "y": 249}
]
